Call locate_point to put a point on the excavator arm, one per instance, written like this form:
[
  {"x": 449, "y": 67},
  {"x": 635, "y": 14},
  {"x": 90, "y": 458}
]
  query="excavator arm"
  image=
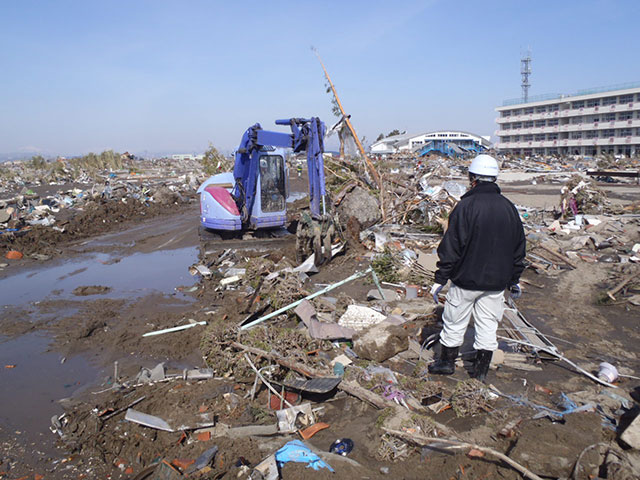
[{"x": 306, "y": 135}]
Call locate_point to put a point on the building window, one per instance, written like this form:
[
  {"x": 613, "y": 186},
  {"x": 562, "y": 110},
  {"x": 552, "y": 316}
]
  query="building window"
[
  {"x": 594, "y": 102},
  {"x": 610, "y": 117},
  {"x": 576, "y": 120},
  {"x": 624, "y": 132},
  {"x": 515, "y": 138},
  {"x": 540, "y": 137},
  {"x": 554, "y": 108},
  {"x": 626, "y": 99},
  {"x": 527, "y": 138},
  {"x": 576, "y": 135},
  {"x": 609, "y": 101},
  {"x": 552, "y": 122},
  {"x": 541, "y": 109},
  {"x": 607, "y": 133},
  {"x": 595, "y": 118},
  {"x": 579, "y": 104},
  {"x": 625, "y": 115},
  {"x": 506, "y": 114},
  {"x": 516, "y": 111},
  {"x": 528, "y": 124},
  {"x": 592, "y": 134},
  {"x": 529, "y": 110},
  {"x": 552, "y": 136},
  {"x": 540, "y": 123},
  {"x": 517, "y": 125}
]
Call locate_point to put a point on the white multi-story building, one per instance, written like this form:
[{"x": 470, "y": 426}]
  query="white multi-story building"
[
  {"x": 590, "y": 122},
  {"x": 411, "y": 142}
]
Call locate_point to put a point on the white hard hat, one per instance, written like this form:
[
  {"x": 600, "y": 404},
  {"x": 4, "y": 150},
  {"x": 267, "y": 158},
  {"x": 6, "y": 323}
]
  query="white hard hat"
[{"x": 484, "y": 166}]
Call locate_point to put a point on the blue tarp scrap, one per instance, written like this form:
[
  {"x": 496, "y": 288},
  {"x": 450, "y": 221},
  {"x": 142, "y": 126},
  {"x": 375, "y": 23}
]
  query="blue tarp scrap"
[{"x": 296, "y": 451}]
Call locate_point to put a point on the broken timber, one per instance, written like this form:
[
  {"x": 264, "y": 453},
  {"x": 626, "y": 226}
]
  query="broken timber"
[
  {"x": 352, "y": 388},
  {"x": 425, "y": 441},
  {"x": 558, "y": 255},
  {"x": 621, "y": 285}
]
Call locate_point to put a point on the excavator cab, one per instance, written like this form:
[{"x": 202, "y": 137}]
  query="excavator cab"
[
  {"x": 272, "y": 183},
  {"x": 219, "y": 210},
  {"x": 270, "y": 205}
]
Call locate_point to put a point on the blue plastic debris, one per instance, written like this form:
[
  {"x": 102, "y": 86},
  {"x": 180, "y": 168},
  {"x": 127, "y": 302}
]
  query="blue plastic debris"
[
  {"x": 296, "y": 451},
  {"x": 342, "y": 446}
]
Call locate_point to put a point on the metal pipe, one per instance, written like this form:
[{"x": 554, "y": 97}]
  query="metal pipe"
[{"x": 556, "y": 353}]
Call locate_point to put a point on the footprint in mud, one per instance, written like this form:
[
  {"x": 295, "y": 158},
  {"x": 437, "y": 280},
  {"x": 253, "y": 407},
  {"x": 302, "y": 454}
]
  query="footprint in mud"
[{"x": 91, "y": 290}]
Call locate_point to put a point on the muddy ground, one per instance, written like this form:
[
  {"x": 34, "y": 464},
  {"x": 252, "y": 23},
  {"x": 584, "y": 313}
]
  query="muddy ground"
[{"x": 66, "y": 321}]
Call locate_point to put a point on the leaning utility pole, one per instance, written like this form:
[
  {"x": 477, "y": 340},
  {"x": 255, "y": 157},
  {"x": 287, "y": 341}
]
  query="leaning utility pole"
[{"x": 345, "y": 118}]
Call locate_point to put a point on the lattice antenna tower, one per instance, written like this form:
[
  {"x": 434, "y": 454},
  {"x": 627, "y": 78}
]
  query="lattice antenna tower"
[{"x": 525, "y": 71}]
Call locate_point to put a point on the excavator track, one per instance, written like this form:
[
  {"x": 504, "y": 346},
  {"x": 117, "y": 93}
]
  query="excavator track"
[{"x": 213, "y": 241}]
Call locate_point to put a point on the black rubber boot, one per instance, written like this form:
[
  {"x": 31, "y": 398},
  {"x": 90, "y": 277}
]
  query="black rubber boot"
[
  {"x": 446, "y": 364},
  {"x": 481, "y": 364}
]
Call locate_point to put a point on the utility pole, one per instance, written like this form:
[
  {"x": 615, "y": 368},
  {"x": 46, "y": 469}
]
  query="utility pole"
[{"x": 346, "y": 119}]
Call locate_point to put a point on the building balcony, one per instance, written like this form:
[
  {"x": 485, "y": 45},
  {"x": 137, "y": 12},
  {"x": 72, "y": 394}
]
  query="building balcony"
[
  {"x": 586, "y": 142},
  {"x": 572, "y": 112},
  {"x": 578, "y": 127}
]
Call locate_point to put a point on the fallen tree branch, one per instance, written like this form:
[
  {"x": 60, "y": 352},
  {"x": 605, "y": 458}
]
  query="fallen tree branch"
[{"x": 425, "y": 441}]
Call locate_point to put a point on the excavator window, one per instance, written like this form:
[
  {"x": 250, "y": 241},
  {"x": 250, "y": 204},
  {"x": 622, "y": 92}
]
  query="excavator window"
[{"x": 272, "y": 183}]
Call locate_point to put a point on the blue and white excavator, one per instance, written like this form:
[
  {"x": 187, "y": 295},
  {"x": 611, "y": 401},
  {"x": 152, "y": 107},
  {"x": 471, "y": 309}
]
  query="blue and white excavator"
[{"x": 254, "y": 196}]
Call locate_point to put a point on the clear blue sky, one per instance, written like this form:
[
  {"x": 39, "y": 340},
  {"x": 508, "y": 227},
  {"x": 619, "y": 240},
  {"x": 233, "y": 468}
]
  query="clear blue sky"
[{"x": 79, "y": 76}]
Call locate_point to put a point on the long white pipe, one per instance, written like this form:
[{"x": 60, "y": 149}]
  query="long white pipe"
[
  {"x": 308, "y": 297},
  {"x": 173, "y": 329}
]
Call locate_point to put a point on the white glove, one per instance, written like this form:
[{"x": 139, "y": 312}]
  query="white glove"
[
  {"x": 435, "y": 290},
  {"x": 515, "y": 291}
]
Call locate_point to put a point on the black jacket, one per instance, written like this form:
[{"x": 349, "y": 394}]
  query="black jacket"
[{"x": 484, "y": 246}]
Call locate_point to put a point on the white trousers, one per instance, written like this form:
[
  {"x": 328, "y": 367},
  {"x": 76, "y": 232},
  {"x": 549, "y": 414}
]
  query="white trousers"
[{"x": 487, "y": 309}]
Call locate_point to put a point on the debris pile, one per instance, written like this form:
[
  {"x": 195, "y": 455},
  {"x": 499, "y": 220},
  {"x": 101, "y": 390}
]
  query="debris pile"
[
  {"x": 309, "y": 369},
  {"x": 581, "y": 195},
  {"x": 37, "y": 212}
]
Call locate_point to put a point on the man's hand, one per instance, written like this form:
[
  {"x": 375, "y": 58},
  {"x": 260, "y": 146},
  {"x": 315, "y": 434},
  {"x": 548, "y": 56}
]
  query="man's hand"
[
  {"x": 515, "y": 291},
  {"x": 435, "y": 290}
]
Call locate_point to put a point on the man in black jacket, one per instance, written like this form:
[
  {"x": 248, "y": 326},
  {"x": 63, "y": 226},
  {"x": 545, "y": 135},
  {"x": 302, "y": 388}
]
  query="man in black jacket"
[{"x": 482, "y": 253}]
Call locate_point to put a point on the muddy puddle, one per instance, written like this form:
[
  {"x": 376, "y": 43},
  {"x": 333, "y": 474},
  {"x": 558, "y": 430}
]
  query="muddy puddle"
[
  {"x": 33, "y": 380},
  {"x": 33, "y": 376},
  {"x": 131, "y": 276}
]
